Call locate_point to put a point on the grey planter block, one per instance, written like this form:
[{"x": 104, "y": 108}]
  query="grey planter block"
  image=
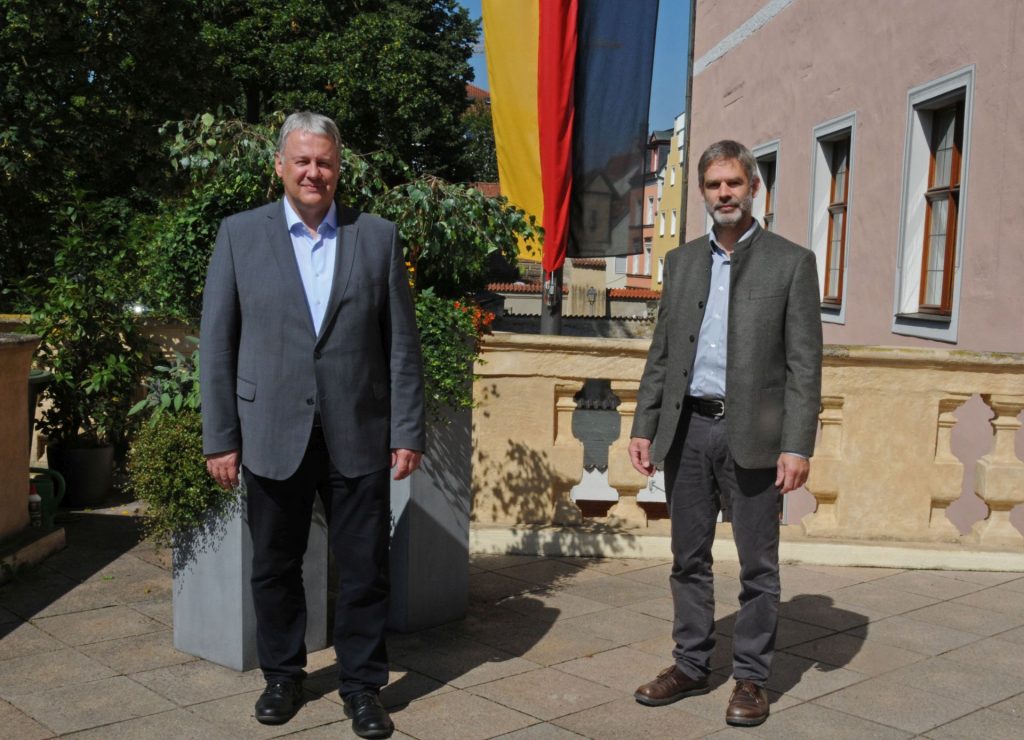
[
  {"x": 430, "y": 531},
  {"x": 214, "y": 618}
]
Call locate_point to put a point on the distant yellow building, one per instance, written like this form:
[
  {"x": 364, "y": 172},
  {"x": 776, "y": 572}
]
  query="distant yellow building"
[{"x": 668, "y": 225}]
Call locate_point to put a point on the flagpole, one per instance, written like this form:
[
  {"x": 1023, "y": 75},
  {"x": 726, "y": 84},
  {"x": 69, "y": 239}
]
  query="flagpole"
[{"x": 551, "y": 303}]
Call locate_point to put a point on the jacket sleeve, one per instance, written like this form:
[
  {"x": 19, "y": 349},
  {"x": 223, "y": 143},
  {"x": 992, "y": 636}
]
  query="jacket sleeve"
[
  {"x": 405, "y": 358},
  {"x": 803, "y": 345},
  {"x": 652, "y": 382},
  {"x": 218, "y": 343}
]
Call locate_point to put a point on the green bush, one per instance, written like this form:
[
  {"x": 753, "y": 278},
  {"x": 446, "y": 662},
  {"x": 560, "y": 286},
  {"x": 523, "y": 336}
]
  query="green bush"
[
  {"x": 168, "y": 473},
  {"x": 450, "y": 336},
  {"x": 90, "y": 339}
]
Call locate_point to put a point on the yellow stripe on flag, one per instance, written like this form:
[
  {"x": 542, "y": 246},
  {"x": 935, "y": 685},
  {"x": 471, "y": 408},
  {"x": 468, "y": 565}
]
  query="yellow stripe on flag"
[{"x": 511, "y": 29}]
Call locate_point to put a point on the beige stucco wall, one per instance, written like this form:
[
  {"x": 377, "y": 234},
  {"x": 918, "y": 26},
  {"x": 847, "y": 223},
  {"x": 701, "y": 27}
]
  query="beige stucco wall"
[
  {"x": 15, "y": 359},
  {"x": 886, "y": 467},
  {"x": 819, "y": 59}
]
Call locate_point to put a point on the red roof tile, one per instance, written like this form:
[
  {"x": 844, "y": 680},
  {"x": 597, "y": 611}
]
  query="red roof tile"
[
  {"x": 637, "y": 294},
  {"x": 590, "y": 262},
  {"x": 519, "y": 288},
  {"x": 476, "y": 93},
  {"x": 490, "y": 189}
]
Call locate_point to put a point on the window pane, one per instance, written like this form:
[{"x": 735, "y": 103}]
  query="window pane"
[
  {"x": 939, "y": 213},
  {"x": 944, "y": 123},
  {"x": 933, "y": 288}
]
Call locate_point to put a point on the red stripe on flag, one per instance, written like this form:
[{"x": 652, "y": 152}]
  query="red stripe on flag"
[{"x": 556, "y": 62}]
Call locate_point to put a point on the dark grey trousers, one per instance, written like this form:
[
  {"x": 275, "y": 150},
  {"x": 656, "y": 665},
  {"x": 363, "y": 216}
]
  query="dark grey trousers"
[{"x": 698, "y": 467}]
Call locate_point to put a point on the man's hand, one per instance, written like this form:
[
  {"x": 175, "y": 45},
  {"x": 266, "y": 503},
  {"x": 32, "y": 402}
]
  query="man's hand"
[
  {"x": 404, "y": 462},
  {"x": 640, "y": 455},
  {"x": 223, "y": 466},
  {"x": 792, "y": 472}
]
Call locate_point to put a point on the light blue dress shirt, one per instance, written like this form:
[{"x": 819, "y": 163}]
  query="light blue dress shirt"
[
  {"x": 708, "y": 379},
  {"x": 315, "y": 257}
]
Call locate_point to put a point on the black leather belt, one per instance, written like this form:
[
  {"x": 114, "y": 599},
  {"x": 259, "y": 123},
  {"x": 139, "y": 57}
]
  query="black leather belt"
[{"x": 713, "y": 408}]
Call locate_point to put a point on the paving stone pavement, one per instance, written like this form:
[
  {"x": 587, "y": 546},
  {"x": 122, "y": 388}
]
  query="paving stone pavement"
[{"x": 551, "y": 648}]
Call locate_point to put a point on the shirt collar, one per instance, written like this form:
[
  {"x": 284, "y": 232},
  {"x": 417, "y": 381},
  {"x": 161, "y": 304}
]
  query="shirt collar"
[
  {"x": 330, "y": 220},
  {"x": 715, "y": 246}
]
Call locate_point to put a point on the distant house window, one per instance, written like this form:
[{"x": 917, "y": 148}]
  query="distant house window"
[
  {"x": 661, "y": 225},
  {"x": 836, "y": 254},
  {"x": 941, "y": 207},
  {"x": 661, "y": 269},
  {"x": 647, "y": 257},
  {"x": 672, "y": 230},
  {"x": 935, "y": 188},
  {"x": 649, "y": 220},
  {"x": 620, "y": 265},
  {"x": 672, "y": 177}
]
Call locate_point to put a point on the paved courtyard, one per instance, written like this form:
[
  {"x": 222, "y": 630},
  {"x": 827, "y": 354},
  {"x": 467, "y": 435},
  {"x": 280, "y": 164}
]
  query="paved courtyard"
[{"x": 552, "y": 648}]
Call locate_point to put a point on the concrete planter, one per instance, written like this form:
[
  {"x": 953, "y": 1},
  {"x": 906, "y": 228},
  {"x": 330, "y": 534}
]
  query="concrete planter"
[
  {"x": 430, "y": 531},
  {"x": 214, "y": 616}
]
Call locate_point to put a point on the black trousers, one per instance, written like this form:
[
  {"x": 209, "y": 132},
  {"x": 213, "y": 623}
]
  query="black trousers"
[
  {"x": 358, "y": 515},
  {"x": 698, "y": 468}
]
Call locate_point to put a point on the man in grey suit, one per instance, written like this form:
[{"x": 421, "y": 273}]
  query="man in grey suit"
[
  {"x": 312, "y": 384},
  {"x": 730, "y": 397}
]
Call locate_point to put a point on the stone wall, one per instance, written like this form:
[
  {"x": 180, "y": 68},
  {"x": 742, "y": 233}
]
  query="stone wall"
[{"x": 884, "y": 467}]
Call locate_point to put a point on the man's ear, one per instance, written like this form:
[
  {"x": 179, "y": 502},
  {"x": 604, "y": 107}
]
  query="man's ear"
[
  {"x": 278, "y": 164},
  {"x": 755, "y": 186}
]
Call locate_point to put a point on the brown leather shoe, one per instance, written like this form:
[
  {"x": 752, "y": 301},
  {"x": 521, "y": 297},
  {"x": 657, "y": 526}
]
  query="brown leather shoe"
[
  {"x": 670, "y": 685},
  {"x": 748, "y": 705}
]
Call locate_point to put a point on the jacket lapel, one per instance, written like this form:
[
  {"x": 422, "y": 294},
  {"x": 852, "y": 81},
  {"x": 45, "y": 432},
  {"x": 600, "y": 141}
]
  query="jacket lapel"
[
  {"x": 344, "y": 258},
  {"x": 284, "y": 254}
]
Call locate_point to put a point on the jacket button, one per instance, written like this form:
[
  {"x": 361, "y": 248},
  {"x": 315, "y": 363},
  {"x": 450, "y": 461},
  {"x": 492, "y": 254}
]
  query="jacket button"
[
  {"x": 678, "y": 405},
  {"x": 691, "y": 337},
  {"x": 700, "y": 304},
  {"x": 685, "y": 373},
  {"x": 310, "y": 402},
  {"x": 317, "y": 355}
]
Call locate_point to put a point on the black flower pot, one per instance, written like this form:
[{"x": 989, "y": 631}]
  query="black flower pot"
[{"x": 88, "y": 472}]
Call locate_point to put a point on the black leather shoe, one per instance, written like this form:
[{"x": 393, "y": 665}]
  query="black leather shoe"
[
  {"x": 369, "y": 717},
  {"x": 279, "y": 701}
]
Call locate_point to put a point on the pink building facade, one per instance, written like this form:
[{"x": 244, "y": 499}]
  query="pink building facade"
[{"x": 889, "y": 135}]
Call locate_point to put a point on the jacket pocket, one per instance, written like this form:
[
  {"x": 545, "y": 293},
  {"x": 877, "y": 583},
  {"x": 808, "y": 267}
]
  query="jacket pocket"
[
  {"x": 245, "y": 389},
  {"x": 761, "y": 293}
]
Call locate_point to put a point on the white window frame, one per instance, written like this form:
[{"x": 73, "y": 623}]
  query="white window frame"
[
  {"x": 910, "y": 238},
  {"x": 661, "y": 224},
  {"x": 672, "y": 223},
  {"x": 672, "y": 177},
  {"x": 650, "y": 211},
  {"x": 764, "y": 151},
  {"x": 661, "y": 270},
  {"x": 821, "y": 186}
]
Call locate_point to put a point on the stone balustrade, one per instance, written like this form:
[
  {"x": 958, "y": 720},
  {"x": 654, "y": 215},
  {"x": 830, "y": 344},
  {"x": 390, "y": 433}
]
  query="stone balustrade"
[{"x": 883, "y": 470}]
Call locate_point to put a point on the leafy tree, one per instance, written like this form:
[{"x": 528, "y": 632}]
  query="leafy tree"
[
  {"x": 84, "y": 85},
  {"x": 392, "y": 73},
  {"x": 480, "y": 154}
]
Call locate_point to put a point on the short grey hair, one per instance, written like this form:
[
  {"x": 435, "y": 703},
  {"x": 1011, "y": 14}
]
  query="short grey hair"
[
  {"x": 313, "y": 123},
  {"x": 723, "y": 150}
]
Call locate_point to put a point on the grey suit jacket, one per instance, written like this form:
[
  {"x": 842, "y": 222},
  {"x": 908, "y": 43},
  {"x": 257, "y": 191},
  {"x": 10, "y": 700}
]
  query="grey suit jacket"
[
  {"x": 264, "y": 370},
  {"x": 773, "y": 363}
]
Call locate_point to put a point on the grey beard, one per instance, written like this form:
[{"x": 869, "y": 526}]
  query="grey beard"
[{"x": 746, "y": 206}]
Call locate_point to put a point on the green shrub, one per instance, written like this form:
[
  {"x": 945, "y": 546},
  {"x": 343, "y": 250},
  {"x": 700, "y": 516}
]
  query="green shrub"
[{"x": 168, "y": 473}]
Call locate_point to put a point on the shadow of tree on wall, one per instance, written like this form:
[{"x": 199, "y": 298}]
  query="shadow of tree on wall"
[{"x": 521, "y": 483}]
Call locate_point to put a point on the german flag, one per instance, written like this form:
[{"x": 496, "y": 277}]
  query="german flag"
[{"x": 570, "y": 89}]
